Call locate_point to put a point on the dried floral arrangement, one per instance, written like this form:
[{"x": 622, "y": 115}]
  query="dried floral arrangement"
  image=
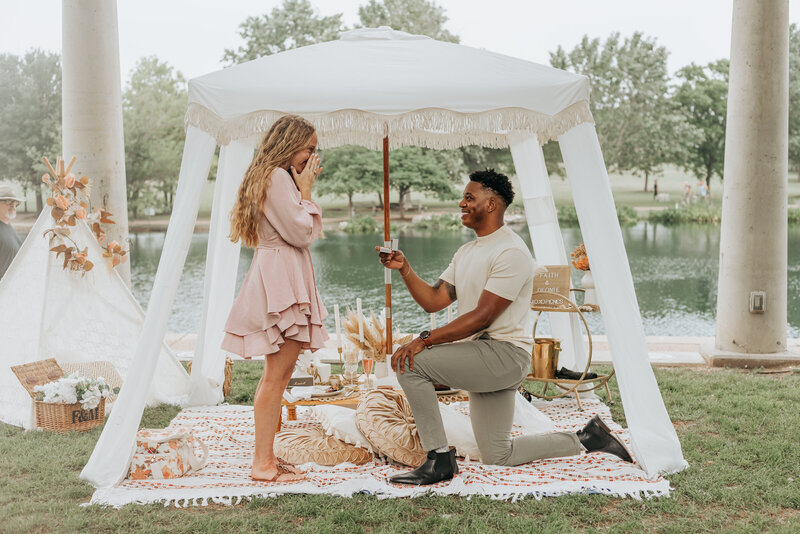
[
  {"x": 70, "y": 203},
  {"x": 579, "y": 258},
  {"x": 374, "y": 335}
]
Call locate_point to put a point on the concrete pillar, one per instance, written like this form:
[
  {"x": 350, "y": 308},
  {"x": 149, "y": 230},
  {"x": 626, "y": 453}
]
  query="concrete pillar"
[
  {"x": 92, "y": 107},
  {"x": 753, "y": 243}
]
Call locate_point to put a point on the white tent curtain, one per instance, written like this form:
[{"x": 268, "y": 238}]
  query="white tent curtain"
[
  {"x": 222, "y": 262},
  {"x": 548, "y": 245},
  {"x": 653, "y": 439},
  {"x": 111, "y": 456}
]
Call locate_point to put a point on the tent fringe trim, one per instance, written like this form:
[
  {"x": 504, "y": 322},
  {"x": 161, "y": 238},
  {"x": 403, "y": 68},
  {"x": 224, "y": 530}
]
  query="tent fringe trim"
[{"x": 432, "y": 128}]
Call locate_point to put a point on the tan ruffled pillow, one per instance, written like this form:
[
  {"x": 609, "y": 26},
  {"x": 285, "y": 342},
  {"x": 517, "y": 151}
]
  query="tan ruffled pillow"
[
  {"x": 384, "y": 417},
  {"x": 311, "y": 444}
]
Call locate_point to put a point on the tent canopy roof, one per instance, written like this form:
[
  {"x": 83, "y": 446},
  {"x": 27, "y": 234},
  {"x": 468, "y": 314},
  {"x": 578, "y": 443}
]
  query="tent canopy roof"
[{"x": 377, "y": 81}]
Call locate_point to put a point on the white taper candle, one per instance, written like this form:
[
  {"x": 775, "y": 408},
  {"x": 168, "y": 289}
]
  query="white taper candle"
[
  {"x": 360, "y": 320},
  {"x": 338, "y": 326}
]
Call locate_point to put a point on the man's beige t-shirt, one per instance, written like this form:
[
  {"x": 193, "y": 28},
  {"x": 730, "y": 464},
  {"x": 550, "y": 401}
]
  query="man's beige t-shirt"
[{"x": 502, "y": 264}]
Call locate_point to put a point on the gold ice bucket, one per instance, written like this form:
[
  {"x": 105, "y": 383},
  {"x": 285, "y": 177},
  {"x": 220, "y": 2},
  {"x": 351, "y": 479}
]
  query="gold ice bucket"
[{"x": 544, "y": 359}]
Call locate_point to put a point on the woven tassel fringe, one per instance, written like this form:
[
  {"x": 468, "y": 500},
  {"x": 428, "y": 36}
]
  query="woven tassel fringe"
[{"x": 431, "y": 128}]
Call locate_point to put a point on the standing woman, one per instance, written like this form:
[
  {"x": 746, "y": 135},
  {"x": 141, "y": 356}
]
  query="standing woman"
[{"x": 278, "y": 311}]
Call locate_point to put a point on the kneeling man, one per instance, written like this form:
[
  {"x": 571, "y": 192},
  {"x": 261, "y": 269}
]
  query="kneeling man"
[{"x": 492, "y": 278}]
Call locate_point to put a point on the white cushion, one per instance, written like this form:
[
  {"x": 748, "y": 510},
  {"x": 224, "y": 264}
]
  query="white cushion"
[
  {"x": 458, "y": 428},
  {"x": 530, "y": 419},
  {"x": 340, "y": 422}
]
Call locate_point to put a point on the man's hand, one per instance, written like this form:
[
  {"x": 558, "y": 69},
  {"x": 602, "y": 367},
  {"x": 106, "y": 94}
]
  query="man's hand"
[
  {"x": 395, "y": 260},
  {"x": 407, "y": 351}
]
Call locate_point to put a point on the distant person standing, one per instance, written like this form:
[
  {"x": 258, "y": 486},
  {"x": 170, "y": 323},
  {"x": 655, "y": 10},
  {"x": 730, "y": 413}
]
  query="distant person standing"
[
  {"x": 703, "y": 190},
  {"x": 687, "y": 193},
  {"x": 9, "y": 240},
  {"x": 655, "y": 189}
]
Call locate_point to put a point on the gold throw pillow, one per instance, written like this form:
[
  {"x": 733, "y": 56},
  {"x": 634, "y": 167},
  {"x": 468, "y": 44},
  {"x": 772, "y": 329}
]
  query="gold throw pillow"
[
  {"x": 384, "y": 417},
  {"x": 311, "y": 444}
]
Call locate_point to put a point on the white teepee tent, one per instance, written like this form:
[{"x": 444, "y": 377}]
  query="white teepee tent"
[
  {"x": 370, "y": 85},
  {"x": 47, "y": 312}
]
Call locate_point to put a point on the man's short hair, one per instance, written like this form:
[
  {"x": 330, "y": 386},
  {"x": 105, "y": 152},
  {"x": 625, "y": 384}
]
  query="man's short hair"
[{"x": 498, "y": 183}]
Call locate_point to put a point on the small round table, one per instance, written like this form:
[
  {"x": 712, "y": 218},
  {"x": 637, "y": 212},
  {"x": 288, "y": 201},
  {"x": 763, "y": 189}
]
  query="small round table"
[{"x": 570, "y": 386}]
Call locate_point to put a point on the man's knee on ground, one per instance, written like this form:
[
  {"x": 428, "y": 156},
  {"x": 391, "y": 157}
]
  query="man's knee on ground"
[{"x": 496, "y": 456}]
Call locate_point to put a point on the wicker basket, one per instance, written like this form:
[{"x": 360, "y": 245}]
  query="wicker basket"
[
  {"x": 68, "y": 417},
  {"x": 227, "y": 384},
  {"x": 56, "y": 417}
]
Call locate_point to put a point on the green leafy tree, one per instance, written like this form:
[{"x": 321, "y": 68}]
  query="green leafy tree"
[
  {"x": 478, "y": 157},
  {"x": 499, "y": 159},
  {"x": 794, "y": 98},
  {"x": 30, "y": 117},
  {"x": 348, "y": 170},
  {"x": 553, "y": 160},
  {"x": 419, "y": 17},
  {"x": 703, "y": 97},
  {"x": 294, "y": 24},
  {"x": 153, "y": 106},
  {"x": 419, "y": 169},
  {"x": 638, "y": 126}
]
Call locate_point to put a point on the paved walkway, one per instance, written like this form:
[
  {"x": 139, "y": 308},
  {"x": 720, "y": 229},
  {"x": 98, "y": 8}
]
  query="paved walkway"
[{"x": 664, "y": 351}]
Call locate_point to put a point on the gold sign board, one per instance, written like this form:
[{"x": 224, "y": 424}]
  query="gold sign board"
[{"x": 555, "y": 280}]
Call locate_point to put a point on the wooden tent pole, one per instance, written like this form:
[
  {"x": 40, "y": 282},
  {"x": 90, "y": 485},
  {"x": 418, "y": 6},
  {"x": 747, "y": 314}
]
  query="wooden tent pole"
[{"x": 387, "y": 238}]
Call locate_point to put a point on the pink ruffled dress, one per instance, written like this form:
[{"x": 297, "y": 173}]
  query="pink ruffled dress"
[{"x": 278, "y": 299}]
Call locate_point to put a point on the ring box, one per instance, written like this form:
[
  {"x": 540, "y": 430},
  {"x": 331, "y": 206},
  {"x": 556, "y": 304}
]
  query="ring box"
[{"x": 386, "y": 250}]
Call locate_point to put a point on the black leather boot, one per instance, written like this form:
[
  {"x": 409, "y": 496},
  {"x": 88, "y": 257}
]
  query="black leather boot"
[
  {"x": 439, "y": 466},
  {"x": 597, "y": 437},
  {"x": 569, "y": 374}
]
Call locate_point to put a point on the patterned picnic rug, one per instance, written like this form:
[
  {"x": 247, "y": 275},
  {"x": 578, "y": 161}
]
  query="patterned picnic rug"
[{"x": 228, "y": 432}]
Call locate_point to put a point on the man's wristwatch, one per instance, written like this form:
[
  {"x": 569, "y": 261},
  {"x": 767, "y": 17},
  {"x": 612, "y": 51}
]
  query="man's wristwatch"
[{"x": 425, "y": 336}]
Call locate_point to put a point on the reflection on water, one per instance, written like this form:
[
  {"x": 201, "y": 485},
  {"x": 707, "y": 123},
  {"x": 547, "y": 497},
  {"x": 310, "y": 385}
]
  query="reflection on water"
[{"x": 674, "y": 271}]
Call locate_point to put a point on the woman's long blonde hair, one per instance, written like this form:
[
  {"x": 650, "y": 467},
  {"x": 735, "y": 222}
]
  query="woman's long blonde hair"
[{"x": 285, "y": 138}]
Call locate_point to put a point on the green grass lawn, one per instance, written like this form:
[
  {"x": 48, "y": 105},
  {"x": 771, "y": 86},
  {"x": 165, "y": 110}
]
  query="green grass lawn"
[{"x": 738, "y": 430}]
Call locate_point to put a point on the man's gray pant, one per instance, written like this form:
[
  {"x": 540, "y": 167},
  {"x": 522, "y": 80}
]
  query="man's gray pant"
[{"x": 491, "y": 371}]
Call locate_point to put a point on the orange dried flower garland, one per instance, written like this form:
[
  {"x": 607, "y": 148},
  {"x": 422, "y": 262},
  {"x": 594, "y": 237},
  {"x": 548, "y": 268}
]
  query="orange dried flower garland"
[{"x": 69, "y": 203}]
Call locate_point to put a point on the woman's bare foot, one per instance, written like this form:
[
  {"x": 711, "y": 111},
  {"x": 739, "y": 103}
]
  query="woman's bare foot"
[{"x": 278, "y": 473}]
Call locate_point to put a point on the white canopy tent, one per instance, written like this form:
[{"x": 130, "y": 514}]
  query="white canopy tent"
[{"x": 370, "y": 84}]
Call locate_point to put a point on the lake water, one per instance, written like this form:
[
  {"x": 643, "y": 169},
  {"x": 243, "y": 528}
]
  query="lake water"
[{"x": 674, "y": 271}]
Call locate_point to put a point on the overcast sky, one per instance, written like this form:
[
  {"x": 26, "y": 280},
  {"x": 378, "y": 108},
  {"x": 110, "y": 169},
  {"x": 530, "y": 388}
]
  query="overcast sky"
[{"x": 192, "y": 35}]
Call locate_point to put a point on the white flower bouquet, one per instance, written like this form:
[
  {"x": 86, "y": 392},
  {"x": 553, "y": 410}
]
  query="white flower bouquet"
[{"x": 74, "y": 389}]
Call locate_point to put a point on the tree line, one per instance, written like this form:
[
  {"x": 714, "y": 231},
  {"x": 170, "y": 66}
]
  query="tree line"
[{"x": 645, "y": 118}]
